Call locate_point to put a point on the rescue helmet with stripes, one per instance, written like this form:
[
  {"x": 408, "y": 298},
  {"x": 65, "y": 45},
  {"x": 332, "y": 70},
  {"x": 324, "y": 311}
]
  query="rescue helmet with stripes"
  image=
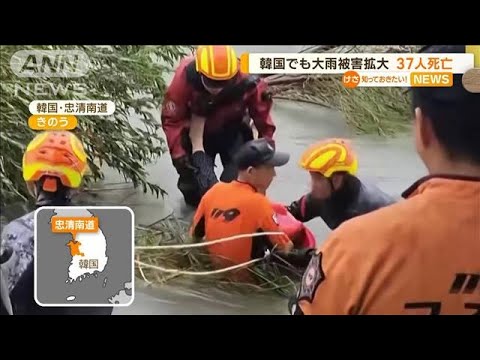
[
  {"x": 330, "y": 156},
  {"x": 216, "y": 62},
  {"x": 55, "y": 154}
]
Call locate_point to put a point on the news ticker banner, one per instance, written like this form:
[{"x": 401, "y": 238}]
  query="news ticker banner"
[{"x": 365, "y": 69}]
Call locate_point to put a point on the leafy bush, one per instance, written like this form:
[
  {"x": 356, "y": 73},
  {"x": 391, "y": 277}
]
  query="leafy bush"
[{"x": 133, "y": 77}]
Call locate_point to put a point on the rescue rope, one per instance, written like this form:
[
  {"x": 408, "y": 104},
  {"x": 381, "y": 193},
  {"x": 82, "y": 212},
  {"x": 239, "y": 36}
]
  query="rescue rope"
[
  {"x": 207, "y": 243},
  {"x": 198, "y": 273}
]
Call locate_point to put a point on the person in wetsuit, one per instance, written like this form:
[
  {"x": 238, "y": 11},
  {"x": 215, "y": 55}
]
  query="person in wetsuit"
[
  {"x": 206, "y": 112},
  {"x": 337, "y": 194},
  {"x": 54, "y": 164}
]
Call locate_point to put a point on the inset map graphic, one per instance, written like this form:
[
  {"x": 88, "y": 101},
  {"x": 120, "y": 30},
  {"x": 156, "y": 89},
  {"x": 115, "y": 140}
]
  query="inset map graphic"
[{"x": 84, "y": 256}]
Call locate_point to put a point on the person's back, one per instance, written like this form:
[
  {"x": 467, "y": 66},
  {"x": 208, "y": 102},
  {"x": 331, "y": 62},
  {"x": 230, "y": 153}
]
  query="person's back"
[
  {"x": 232, "y": 209},
  {"x": 441, "y": 246},
  {"x": 422, "y": 257}
]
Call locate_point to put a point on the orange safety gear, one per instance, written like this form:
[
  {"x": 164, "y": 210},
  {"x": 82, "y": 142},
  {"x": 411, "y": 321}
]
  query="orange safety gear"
[
  {"x": 230, "y": 209},
  {"x": 418, "y": 256}
]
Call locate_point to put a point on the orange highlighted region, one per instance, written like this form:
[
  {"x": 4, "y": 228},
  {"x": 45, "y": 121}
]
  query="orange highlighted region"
[
  {"x": 75, "y": 248},
  {"x": 431, "y": 79},
  {"x": 351, "y": 79},
  {"x": 52, "y": 122},
  {"x": 74, "y": 225}
]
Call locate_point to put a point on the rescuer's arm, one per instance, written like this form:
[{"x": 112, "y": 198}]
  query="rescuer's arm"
[
  {"x": 197, "y": 126},
  {"x": 175, "y": 114},
  {"x": 306, "y": 208},
  {"x": 259, "y": 103}
]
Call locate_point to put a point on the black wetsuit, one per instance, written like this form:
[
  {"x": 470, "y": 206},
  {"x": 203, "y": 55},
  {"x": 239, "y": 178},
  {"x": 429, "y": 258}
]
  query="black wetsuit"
[{"x": 353, "y": 199}]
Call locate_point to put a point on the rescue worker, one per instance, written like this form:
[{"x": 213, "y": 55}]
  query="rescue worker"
[
  {"x": 241, "y": 207},
  {"x": 337, "y": 194},
  {"x": 210, "y": 93},
  {"x": 53, "y": 167},
  {"x": 420, "y": 255}
]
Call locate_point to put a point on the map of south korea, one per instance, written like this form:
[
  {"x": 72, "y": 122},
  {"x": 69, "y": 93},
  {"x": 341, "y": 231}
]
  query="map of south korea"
[
  {"x": 84, "y": 256},
  {"x": 87, "y": 249}
]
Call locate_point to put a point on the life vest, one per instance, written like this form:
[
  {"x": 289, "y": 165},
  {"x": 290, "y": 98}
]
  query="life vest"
[{"x": 300, "y": 235}]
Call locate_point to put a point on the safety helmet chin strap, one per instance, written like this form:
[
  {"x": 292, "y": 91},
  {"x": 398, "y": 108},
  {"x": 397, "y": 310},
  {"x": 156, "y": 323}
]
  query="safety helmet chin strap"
[
  {"x": 60, "y": 197},
  {"x": 332, "y": 187}
]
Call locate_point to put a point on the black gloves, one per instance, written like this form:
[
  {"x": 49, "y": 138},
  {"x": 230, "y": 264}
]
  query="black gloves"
[
  {"x": 183, "y": 165},
  {"x": 204, "y": 170}
]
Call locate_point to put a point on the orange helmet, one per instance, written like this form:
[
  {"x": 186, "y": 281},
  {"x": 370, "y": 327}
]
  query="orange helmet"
[
  {"x": 216, "y": 62},
  {"x": 330, "y": 156},
  {"x": 55, "y": 154}
]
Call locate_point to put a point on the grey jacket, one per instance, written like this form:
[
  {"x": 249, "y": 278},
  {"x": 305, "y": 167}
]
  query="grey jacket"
[{"x": 18, "y": 237}]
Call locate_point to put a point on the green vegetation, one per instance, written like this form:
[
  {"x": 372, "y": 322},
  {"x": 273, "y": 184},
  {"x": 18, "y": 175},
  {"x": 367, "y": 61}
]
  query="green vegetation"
[
  {"x": 158, "y": 266},
  {"x": 381, "y": 110},
  {"x": 131, "y": 76},
  {"x": 134, "y": 78}
]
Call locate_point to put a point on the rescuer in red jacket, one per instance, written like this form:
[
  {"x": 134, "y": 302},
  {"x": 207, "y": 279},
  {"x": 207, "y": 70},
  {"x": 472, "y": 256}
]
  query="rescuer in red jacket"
[{"x": 208, "y": 89}]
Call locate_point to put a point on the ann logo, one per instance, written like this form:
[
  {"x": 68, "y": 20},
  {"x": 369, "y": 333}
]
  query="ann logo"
[
  {"x": 227, "y": 215},
  {"x": 50, "y": 63}
]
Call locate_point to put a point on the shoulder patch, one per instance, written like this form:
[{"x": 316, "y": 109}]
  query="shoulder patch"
[
  {"x": 312, "y": 278},
  {"x": 170, "y": 107}
]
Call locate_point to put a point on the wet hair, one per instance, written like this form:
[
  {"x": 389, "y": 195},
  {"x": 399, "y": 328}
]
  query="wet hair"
[{"x": 453, "y": 112}]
